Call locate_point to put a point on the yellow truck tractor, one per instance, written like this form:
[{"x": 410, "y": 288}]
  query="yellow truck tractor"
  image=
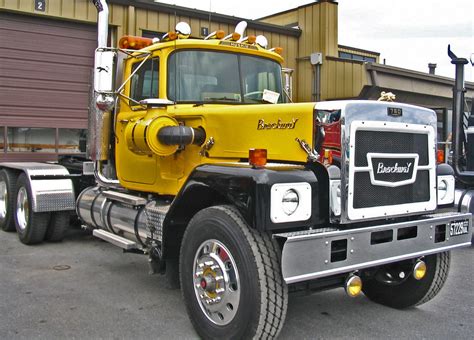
[{"x": 203, "y": 164}]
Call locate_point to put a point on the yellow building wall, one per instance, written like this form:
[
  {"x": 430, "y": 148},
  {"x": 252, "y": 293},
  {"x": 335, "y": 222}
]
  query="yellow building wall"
[{"x": 319, "y": 24}]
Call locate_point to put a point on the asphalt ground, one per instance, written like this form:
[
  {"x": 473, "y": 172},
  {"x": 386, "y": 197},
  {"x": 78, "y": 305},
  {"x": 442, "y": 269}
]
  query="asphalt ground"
[{"x": 83, "y": 288}]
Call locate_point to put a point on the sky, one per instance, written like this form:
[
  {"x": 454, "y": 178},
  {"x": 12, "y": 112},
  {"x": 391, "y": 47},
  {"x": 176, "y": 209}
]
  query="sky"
[{"x": 406, "y": 33}]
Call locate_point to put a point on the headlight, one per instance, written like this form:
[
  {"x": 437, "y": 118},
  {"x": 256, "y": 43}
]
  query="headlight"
[
  {"x": 335, "y": 196},
  {"x": 446, "y": 189},
  {"x": 290, "y": 202}
]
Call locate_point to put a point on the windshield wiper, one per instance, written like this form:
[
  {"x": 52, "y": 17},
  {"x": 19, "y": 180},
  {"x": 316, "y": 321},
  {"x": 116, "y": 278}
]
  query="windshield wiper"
[{"x": 224, "y": 98}]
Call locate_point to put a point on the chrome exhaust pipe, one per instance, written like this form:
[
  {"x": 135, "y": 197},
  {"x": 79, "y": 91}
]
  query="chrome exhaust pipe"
[
  {"x": 102, "y": 100},
  {"x": 102, "y": 22}
]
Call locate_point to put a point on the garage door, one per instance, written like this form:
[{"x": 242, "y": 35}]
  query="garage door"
[{"x": 44, "y": 71}]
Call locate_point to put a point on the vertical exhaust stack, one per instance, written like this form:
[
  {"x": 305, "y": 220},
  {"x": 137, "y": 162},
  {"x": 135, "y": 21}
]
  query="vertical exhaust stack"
[
  {"x": 466, "y": 177},
  {"x": 102, "y": 99},
  {"x": 102, "y": 22}
]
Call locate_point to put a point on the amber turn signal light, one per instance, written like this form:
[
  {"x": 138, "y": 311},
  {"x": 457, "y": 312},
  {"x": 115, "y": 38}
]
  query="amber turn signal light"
[{"x": 258, "y": 157}]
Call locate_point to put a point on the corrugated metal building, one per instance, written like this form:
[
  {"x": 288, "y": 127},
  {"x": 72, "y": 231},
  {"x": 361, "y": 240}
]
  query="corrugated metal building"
[{"x": 47, "y": 46}]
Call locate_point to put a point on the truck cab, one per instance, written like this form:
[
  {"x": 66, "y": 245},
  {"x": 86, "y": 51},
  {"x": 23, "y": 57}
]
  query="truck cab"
[{"x": 203, "y": 164}]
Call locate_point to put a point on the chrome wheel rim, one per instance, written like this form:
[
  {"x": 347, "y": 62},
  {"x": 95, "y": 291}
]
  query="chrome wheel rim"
[
  {"x": 22, "y": 208},
  {"x": 216, "y": 282},
  {"x": 3, "y": 201}
]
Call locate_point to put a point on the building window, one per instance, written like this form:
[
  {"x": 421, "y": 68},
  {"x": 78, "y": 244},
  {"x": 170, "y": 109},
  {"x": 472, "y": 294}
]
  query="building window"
[
  {"x": 144, "y": 82},
  {"x": 31, "y": 139},
  {"x": 151, "y": 34},
  {"x": 26, "y": 140},
  {"x": 2, "y": 139},
  {"x": 69, "y": 140},
  {"x": 352, "y": 56}
]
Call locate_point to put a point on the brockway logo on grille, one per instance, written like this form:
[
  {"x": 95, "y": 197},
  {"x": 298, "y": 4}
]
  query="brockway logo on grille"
[
  {"x": 396, "y": 169},
  {"x": 392, "y": 169}
]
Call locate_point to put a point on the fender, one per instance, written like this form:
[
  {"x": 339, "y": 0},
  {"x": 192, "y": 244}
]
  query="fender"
[{"x": 51, "y": 186}]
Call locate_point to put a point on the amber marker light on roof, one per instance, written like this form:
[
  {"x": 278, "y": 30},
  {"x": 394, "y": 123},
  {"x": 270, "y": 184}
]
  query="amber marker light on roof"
[
  {"x": 134, "y": 43},
  {"x": 235, "y": 36},
  {"x": 278, "y": 50},
  {"x": 170, "y": 36},
  {"x": 251, "y": 39},
  {"x": 258, "y": 157}
]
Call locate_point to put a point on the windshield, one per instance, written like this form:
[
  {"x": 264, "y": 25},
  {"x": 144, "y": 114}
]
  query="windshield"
[{"x": 210, "y": 76}]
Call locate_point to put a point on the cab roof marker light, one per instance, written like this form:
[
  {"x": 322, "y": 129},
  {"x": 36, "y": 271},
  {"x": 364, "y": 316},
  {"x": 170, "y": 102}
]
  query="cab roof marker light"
[
  {"x": 170, "y": 36},
  {"x": 278, "y": 50},
  {"x": 216, "y": 35},
  {"x": 233, "y": 36},
  {"x": 134, "y": 43},
  {"x": 249, "y": 40}
]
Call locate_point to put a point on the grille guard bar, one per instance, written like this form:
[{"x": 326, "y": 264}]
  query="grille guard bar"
[{"x": 306, "y": 255}]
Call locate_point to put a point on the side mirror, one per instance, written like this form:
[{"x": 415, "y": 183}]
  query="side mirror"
[{"x": 104, "y": 71}]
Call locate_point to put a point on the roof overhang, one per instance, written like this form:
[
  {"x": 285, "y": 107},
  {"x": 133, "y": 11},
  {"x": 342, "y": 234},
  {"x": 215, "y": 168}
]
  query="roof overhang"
[
  {"x": 204, "y": 15},
  {"x": 411, "y": 86}
]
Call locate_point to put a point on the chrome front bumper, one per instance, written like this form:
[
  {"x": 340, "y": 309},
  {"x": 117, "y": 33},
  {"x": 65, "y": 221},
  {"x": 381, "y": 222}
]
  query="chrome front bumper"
[{"x": 319, "y": 253}]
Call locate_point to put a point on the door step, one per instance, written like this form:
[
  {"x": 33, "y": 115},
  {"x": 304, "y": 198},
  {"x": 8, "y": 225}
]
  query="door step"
[{"x": 115, "y": 239}]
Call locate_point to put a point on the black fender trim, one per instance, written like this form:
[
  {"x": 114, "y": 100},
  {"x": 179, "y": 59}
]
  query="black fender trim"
[{"x": 247, "y": 189}]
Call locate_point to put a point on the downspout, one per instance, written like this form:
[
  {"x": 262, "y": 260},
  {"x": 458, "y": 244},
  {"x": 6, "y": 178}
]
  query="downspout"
[{"x": 466, "y": 177}]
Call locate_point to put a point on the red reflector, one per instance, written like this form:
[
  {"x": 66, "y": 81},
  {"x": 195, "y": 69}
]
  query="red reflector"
[
  {"x": 258, "y": 157},
  {"x": 440, "y": 156}
]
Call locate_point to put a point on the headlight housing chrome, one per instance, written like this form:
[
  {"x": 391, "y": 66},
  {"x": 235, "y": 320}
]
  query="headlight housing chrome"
[
  {"x": 290, "y": 202},
  {"x": 446, "y": 188}
]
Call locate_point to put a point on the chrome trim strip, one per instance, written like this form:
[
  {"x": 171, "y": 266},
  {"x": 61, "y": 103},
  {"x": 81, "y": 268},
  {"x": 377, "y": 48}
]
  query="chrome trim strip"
[
  {"x": 311, "y": 276},
  {"x": 309, "y": 255}
]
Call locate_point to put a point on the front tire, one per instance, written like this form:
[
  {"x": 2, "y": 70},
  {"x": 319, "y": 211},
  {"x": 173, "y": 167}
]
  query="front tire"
[
  {"x": 230, "y": 277},
  {"x": 31, "y": 226},
  {"x": 411, "y": 292},
  {"x": 7, "y": 199}
]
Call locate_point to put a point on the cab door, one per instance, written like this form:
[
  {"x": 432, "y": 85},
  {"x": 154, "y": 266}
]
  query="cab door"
[{"x": 132, "y": 166}]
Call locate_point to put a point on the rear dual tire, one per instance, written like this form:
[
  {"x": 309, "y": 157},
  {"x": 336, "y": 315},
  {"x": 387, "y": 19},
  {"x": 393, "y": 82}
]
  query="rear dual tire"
[
  {"x": 7, "y": 200},
  {"x": 31, "y": 226}
]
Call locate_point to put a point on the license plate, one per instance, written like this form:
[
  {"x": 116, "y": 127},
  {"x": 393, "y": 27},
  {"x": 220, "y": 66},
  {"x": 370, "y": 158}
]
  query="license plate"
[{"x": 458, "y": 228}]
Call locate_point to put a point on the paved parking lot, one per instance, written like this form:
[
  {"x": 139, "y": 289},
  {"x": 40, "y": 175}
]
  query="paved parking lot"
[{"x": 84, "y": 288}]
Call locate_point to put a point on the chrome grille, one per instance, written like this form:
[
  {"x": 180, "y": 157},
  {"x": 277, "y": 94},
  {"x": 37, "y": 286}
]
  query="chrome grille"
[{"x": 392, "y": 169}]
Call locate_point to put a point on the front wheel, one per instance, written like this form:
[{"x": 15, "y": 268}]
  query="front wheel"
[
  {"x": 394, "y": 285},
  {"x": 230, "y": 277}
]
